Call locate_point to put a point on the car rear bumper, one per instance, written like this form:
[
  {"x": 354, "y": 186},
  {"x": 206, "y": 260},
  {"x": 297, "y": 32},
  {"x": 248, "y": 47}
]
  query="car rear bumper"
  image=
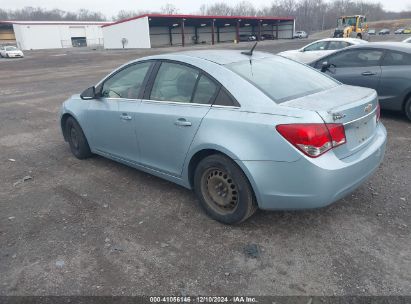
[{"x": 313, "y": 183}]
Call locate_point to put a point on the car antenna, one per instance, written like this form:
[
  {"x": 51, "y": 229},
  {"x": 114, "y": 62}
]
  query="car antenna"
[{"x": 250, "y": 52}]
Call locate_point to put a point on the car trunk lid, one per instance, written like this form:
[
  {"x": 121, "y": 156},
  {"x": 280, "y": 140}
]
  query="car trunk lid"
[{"x": 354, "y": 107}]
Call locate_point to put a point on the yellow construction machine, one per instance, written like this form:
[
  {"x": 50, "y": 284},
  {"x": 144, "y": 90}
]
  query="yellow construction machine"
[{"x": 351, "y": 27}]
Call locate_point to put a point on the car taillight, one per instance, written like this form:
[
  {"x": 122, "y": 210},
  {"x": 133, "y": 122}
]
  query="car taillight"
[
  {"x": 313, "y": 139},
  {"x": 378, "y": 114}
]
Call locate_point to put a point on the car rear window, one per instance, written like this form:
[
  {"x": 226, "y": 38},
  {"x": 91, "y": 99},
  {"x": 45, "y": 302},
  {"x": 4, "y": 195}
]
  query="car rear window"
[
  {"x": 396, "y": 58},
  {"x": 282, "y": 79}
]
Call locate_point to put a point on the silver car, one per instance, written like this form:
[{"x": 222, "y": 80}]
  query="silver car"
[
  {"x": 10, "y": 52},
  {"x": 320, "y": 48},
  {"x": 300, "y": 34},
  {"x": 244, "y": 130}
]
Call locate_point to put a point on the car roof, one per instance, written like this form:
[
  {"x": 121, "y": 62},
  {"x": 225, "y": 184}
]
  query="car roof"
[
  {"x": 394, "y": 46},
  {"x": 221, "y": 57},
  {"x": 353, "y": 40}
]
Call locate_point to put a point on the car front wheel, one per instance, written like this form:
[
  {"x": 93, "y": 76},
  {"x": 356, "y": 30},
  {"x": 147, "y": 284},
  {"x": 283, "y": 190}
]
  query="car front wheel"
[
  {"x": 77, "y": 140},
  {"x": 223, "y": 190}
]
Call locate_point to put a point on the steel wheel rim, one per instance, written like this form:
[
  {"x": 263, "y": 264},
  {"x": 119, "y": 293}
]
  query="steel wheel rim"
[
  {"x": 74, "y": 138},
  {"x": 219, "y": 190}
]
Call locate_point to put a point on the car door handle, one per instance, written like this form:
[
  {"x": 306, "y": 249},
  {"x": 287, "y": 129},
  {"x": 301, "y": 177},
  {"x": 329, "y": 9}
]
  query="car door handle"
[
  {"x": 125, "y": 116},
  {"x": 368, "y": 73},
  {"x": 182, "y": 122}
]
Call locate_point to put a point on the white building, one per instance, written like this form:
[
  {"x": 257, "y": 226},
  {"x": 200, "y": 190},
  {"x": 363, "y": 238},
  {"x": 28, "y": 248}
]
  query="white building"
[
  {"x": 34, "y": 35},
  {"x": 156, "y": 30}
]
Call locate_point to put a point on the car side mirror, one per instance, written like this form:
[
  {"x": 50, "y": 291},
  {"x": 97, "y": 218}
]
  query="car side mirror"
[
  {"x": 325, "y": 66},
  {"x": 88, "y": 94}
]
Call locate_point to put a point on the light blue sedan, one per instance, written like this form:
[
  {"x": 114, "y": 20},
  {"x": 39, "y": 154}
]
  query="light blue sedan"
[{"x": 244, "y": 131}]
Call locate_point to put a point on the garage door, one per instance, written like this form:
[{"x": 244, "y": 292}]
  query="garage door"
[{"x": 77, "y": 31}]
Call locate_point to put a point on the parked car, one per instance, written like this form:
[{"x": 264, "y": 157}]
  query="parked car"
[
  {"x": 10, "y": 52},
  {"x": 407, "y": 31},
  {"x": 267, "y": 37},
  {"x": 384, "y": 32},
  {"x": 320, "y": 48},
  {"x": 399, "y": 31},
  {"x": 246, "y": 37},
  {"x": 300, "y": 34},
  {"x": 371, "y": 32},
  {"x": 268, "y": 132},
  {"x": 385, "y": 67},
  {"x": 408, "y": 40}
]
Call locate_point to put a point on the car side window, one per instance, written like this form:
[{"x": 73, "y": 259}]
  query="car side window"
[
  {"x": 396, "y": 58},
  {"x": 127, "y": 83},
  {"x": 225, "y": 99},
  {"x": 205, "y": 90},
  {"x": 356, "y": 58},
  {"x": 174, "y": 82},
  {"x": 319, "y": 46},
  {"x": 336, "y": 45}
]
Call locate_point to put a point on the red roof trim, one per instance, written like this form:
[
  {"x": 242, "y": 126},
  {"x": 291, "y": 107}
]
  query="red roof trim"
[{"x": 200, "y": 17}]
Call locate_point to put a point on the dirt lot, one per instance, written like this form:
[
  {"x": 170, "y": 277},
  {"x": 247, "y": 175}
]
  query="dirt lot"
[{"x": 96, "y": 227}]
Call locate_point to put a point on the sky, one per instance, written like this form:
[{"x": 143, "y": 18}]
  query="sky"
[{"x": 111, "y": 7}]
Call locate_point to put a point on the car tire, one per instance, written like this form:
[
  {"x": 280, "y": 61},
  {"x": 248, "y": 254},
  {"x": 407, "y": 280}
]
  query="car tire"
[
  {"x": 76, "y": 139},
  {"x": 407, "y": 108},
  {"x": 223, "y": 190}
]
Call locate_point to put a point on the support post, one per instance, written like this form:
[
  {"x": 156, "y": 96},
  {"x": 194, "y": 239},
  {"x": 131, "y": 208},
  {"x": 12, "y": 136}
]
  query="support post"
[
  {"x": 218, "y": 34},
  {"x": 170, "y": 33},
  {"x": 237, "y": 31},
  {"x": 276, "y": 35},
  {"x": 259, "y": 30},
  {"x": 183, "y": 42},
  {"x": 212, "y": 31}
]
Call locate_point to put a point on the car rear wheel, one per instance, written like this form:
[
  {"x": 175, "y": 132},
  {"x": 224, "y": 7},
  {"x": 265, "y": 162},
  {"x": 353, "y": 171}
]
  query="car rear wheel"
[
  {"x": 407, "y": 108},
  {"x": 77, "y": 140},
  {"x": 223, "y": 190}
]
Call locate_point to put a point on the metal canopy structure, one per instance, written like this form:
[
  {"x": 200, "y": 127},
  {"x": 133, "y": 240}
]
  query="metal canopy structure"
[{"x": 213, "y": 26}]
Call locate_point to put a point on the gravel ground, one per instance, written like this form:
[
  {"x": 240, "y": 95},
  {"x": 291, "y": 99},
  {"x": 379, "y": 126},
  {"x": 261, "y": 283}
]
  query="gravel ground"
[{"x": 96, "y": 227}]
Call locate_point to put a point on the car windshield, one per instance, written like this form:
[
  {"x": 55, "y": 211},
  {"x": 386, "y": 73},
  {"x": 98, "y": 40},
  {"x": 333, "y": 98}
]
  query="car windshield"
[
  {"x": 11, "y": 48},
  {"x": 282, "y": 79}
]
